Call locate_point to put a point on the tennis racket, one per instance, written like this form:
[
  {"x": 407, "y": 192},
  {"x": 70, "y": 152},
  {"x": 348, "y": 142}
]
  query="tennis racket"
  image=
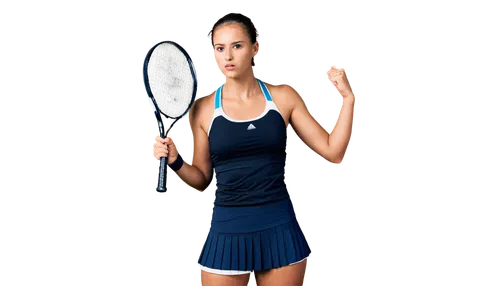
[{"x": 170, "y": 81}]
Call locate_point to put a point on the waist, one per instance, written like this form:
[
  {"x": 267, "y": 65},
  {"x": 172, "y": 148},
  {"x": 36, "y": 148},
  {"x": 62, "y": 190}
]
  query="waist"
[
  {"x": 244, "y": 219},
  {"x": 270, "y": 160},
  {"x": 250, "y": 182}
]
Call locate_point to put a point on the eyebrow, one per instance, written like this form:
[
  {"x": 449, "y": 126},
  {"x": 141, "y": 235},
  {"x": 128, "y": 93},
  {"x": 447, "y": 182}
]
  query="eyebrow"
[{"x": 231, "y": 43}]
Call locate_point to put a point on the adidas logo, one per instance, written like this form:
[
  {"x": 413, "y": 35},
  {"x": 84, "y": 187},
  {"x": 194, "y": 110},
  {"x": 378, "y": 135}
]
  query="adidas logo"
[{"x": 251, "y": 127}]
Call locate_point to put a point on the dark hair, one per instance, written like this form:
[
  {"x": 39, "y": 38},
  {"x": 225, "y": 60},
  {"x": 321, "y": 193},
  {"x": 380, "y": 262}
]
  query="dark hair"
[{"x": 237, "y": 18}]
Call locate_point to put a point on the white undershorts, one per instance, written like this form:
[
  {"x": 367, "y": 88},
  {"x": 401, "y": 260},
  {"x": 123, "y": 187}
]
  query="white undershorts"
[{"x": 233, "y": 272}]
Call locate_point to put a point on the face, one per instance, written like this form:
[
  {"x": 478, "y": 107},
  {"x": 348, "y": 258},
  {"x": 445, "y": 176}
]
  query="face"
[{"x": 233, "y": 50}]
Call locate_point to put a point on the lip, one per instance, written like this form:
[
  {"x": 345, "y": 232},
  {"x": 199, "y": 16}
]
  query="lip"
[{"x": 230, "y": 67}]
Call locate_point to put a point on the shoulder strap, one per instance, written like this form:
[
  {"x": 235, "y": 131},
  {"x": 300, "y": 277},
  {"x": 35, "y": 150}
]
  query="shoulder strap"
[{"x": 264, "y": 89}]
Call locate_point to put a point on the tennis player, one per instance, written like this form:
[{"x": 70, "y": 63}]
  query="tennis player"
[{"x": 240, "y": 131}]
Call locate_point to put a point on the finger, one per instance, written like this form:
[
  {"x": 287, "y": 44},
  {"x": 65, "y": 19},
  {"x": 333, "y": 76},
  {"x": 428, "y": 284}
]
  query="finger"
[
  {"x": 159, "y": 139},
  {"x": 331, "y": 68},
  {"x": 161, "y": 147},
  {"x": 164, "y": 147},
  {"x": 159, "y": 155},
  {"x": 159, "y": 144},
  {"x": 169, "y": 141},
  {"x": 336, "y": 73},
  {"x": 339, "y": 69},
  {"x": 332, "y": 77}
]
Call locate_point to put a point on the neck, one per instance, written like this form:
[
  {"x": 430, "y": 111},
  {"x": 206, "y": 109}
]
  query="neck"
[{"x": 242, "y": 87}]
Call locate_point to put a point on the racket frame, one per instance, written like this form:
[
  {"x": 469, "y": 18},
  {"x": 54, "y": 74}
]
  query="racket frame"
[{"x": 162, "y": 176}]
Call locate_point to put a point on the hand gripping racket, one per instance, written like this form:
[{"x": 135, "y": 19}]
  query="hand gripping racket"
[{"x": 170, "y": 81}]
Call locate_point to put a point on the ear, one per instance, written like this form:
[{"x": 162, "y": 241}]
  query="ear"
[{"x": 255, "y": 48}]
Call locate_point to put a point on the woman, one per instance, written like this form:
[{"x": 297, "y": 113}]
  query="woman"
[{"x": 240, "y": 130}]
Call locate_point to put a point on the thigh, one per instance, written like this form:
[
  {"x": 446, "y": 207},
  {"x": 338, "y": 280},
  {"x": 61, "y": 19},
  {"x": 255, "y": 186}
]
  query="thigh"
[
  {"x": 211, "y": 279},
  {"x": 290, "y": 275}
]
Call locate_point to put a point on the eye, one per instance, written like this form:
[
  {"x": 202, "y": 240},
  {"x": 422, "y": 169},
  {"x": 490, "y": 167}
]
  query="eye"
[
  {"x": 237, "y": 46},
  {"x": 219, "y": 49}
]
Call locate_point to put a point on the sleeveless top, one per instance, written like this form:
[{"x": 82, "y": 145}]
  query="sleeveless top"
[{"x": 248, "y": 155}]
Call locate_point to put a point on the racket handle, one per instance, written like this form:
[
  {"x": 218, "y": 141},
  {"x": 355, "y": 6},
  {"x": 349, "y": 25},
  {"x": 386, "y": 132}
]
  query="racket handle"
[{"x": 162, "y": 176}]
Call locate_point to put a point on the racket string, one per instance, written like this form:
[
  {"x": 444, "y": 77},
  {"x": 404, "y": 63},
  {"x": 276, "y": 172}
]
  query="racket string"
[{"x": 170, "y": 79}]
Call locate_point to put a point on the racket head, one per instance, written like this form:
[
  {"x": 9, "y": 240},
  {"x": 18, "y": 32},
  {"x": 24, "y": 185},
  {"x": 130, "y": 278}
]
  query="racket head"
[{"x": 170, "y": 79}]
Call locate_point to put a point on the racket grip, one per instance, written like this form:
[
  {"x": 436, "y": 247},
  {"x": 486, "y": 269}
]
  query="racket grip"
[{"x": 162, "y": 176}]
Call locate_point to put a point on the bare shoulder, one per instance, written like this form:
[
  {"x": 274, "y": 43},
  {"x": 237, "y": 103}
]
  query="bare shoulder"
[
  {"x": 284, "y": 94},
  {"x": 285, "y": 98},
  {"x": 202, "y": 111}
]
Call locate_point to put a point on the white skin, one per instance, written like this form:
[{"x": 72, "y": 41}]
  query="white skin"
[
  {"x": 243, "y": 99},
  {"x": 232, "y": 46}
]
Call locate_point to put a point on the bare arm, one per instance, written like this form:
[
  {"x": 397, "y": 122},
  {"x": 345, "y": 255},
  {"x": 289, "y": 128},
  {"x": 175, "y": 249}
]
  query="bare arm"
[
  {"x": 197, "y": 174},
  {"x": 341, "y": 134},
  {"x": 331, "y": 146}
]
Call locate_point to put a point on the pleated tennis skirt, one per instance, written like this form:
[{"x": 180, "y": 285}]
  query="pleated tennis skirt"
[{"x": 243, "y": 239}]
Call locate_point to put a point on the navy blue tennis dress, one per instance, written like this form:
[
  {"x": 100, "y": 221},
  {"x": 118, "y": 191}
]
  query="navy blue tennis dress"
[{"x": 253, "y": 224}]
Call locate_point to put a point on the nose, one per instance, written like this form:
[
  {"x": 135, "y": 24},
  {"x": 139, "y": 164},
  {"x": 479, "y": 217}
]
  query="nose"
[{"x": 228, "y": 55}]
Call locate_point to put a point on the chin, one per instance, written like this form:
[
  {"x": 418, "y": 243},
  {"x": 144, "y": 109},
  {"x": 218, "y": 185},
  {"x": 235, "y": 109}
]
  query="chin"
[
  {"x": 234, "y": 74},
  {"x": 231, "y": 74}
]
